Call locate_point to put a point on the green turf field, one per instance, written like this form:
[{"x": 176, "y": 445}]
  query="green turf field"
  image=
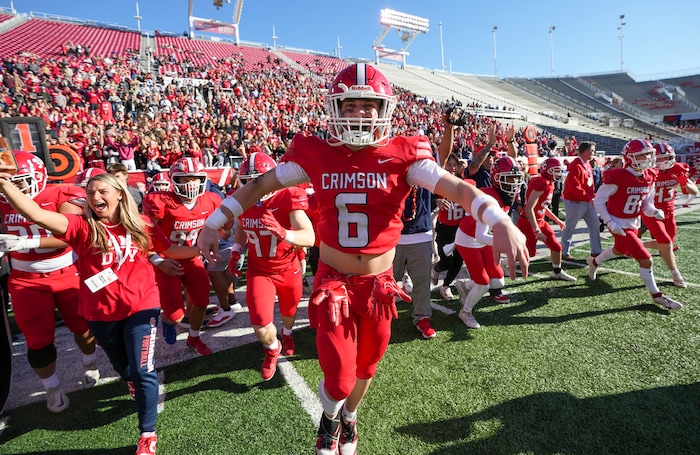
[{"x": 565, "y": 368}]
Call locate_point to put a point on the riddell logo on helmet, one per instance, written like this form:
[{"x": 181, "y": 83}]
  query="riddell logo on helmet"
[{"x": 367, "y": 88}]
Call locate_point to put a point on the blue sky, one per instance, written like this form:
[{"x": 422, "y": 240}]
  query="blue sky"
[{"x": 660, "y": 38}]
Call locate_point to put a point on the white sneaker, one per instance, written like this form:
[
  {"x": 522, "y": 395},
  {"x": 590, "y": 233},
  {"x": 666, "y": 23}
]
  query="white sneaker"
[
  {"x": 468, "y": 318},
  {"x": 592, "y": 268},
  {"x": 221, "y": 318},
  {"x": 446, "y": 293},
  {"x": 667, "y": 302},
  {"x": 91, "y": 374},
  {"x": 407, "y": 283},
  {"x": 236, "y": 306},
  {"x": 463, "y": 288},
  {"x": 56, "y": 399},
  {"x": 563, "y": 276},
  {"x": 679, "y": 282}
]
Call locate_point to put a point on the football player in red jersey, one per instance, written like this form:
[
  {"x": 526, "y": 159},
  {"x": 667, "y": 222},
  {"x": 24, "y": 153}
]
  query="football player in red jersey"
[
  {"x": 361, "y": 177},
  {"x": 274, "y": 229},
  {"x": 44, "y": 278},
  {"x": 180, "y": 213},
  {"x": 474, "y": 242},
  {"x": 624, "y": 194},
  {"x": 533, "y": 223},
  {"x": 669, "y": 175},
  {"x": 693, "y": 177}
]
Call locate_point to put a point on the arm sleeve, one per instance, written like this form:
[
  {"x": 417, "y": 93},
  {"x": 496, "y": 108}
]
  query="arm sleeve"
[
  {"x": 601, "y": 199},
  {"x": 481, "y": 234},
  {"x": 290, "y": 173},
  {"x": 425, "y": 173}
]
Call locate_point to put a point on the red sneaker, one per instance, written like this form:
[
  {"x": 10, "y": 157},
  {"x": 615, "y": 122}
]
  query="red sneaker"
[
  {"x": 269, "y": 365},
  {"x": 425, "y": 328},
  {"x": 288, "y": 344},
  {"x": 501, "y": 298},
  {"x": 198, "y": 346},
  {"x": 147, "y": 445}
]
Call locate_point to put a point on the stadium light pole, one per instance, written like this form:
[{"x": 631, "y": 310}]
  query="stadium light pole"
[
  {"x": 442, "y": 50},
  {"x": 339, "y": 47},
  {"x": 622, "y": 59},
  {"x": 551, "y": 46},
  {"x": 495, "y": 66},
  {"x": 274, "y": 38},
  {"x": 138, "y": 17}
]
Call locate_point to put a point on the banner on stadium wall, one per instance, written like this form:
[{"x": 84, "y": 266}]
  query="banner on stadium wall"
[{"x": 212, "y": 26}]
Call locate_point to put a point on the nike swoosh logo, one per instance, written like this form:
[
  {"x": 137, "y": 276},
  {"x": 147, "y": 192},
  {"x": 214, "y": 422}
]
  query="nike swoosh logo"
[
  {"x": 296, "y": 271},
  {"x": 274, "y": 210},
  {"x": 44, "y": 204},
  {"x": 386, "y": 160},
  {"x": 204, "y": 212}
]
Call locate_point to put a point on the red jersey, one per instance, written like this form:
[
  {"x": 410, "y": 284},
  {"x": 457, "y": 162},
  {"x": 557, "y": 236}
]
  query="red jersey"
[
  {"x": 135, "y": 288},
  {"x": 361, "y": 193},
  {"x": 546, "y": 186},
  {"x": 632, "y": 190},
  {"x": 665, "y": 186},
  {"x": 451, "y": 216},
  {"x": 179, "y": 223},
  {"x": 41, "y": 260},
  {"x": 265, "y": 251}
]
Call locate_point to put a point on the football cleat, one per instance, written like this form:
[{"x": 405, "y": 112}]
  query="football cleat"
[
  {"x": 269, "y": 365},
  {"x": 679, "y": 282},
  {"x": 56, "y": 399},
  {"x": 562, "y": 275},
  {"x": 91, "y": 374},
  {"x": 592, "y": 268},
  {"x": 500, "y": 298},
  {"x": 468, "y": 319},
  {"x": 347, "y": 444},
  {"x": 221, "y": 318},
  {"x": 667, "y": 302},
  {"x": 328, "y": 435},
  {"x": 288, "y": 344},
  {"x": 198, "y": 346}
]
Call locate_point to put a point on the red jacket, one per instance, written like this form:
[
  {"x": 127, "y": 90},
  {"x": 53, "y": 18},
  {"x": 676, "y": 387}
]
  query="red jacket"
[{"x": 579, "y": 184}]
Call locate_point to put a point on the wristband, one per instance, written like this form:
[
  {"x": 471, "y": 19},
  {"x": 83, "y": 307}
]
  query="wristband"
[
  {"x": 216, "y": 220},
  {"x": 34, "y": 242},
  {"x": 155, "y": 259},
  {"x": 233, "y": 205},
  {"x": 237, "y": 247},
  {"x": 289, "y": 236},
  {"x": 477, "y": 203},
  {"x": 493, "y": 214}
]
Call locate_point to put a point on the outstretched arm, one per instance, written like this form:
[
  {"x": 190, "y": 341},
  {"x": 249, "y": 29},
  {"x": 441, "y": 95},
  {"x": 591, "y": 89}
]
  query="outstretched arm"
[
  {"x": 53, "y": 221},
  {"x": 232, "y": 207}
]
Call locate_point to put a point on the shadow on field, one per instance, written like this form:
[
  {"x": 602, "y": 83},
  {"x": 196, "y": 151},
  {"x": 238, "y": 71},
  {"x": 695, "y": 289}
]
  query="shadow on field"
[{"x": 654, "y": 421}]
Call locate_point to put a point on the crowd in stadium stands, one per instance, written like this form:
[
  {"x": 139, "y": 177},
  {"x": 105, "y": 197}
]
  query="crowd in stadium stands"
[{"x": 95, "y": 105}]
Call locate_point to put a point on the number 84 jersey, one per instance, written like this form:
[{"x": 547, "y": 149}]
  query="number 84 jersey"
[{"x": 178, "y": 222}]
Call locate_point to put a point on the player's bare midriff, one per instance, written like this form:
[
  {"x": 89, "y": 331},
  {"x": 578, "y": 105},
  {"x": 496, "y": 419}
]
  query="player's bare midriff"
[{"x": 361, "y": 264}]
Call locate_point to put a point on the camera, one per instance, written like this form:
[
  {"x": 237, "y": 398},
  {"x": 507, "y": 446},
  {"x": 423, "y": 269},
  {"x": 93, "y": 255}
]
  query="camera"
[{"x": 456, "y": 115}]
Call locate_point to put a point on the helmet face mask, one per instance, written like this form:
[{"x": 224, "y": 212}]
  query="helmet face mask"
[
  {"x": 665, "y": 156},
  {"x": 182, "y": 173},
  {"x": 255, "y": 165},
  {"x": 507, "y": 176},
  {"x": 161, "y": 182},
  {"x": 639, "y": 154},
  {"x": 359, "y": 83}
]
